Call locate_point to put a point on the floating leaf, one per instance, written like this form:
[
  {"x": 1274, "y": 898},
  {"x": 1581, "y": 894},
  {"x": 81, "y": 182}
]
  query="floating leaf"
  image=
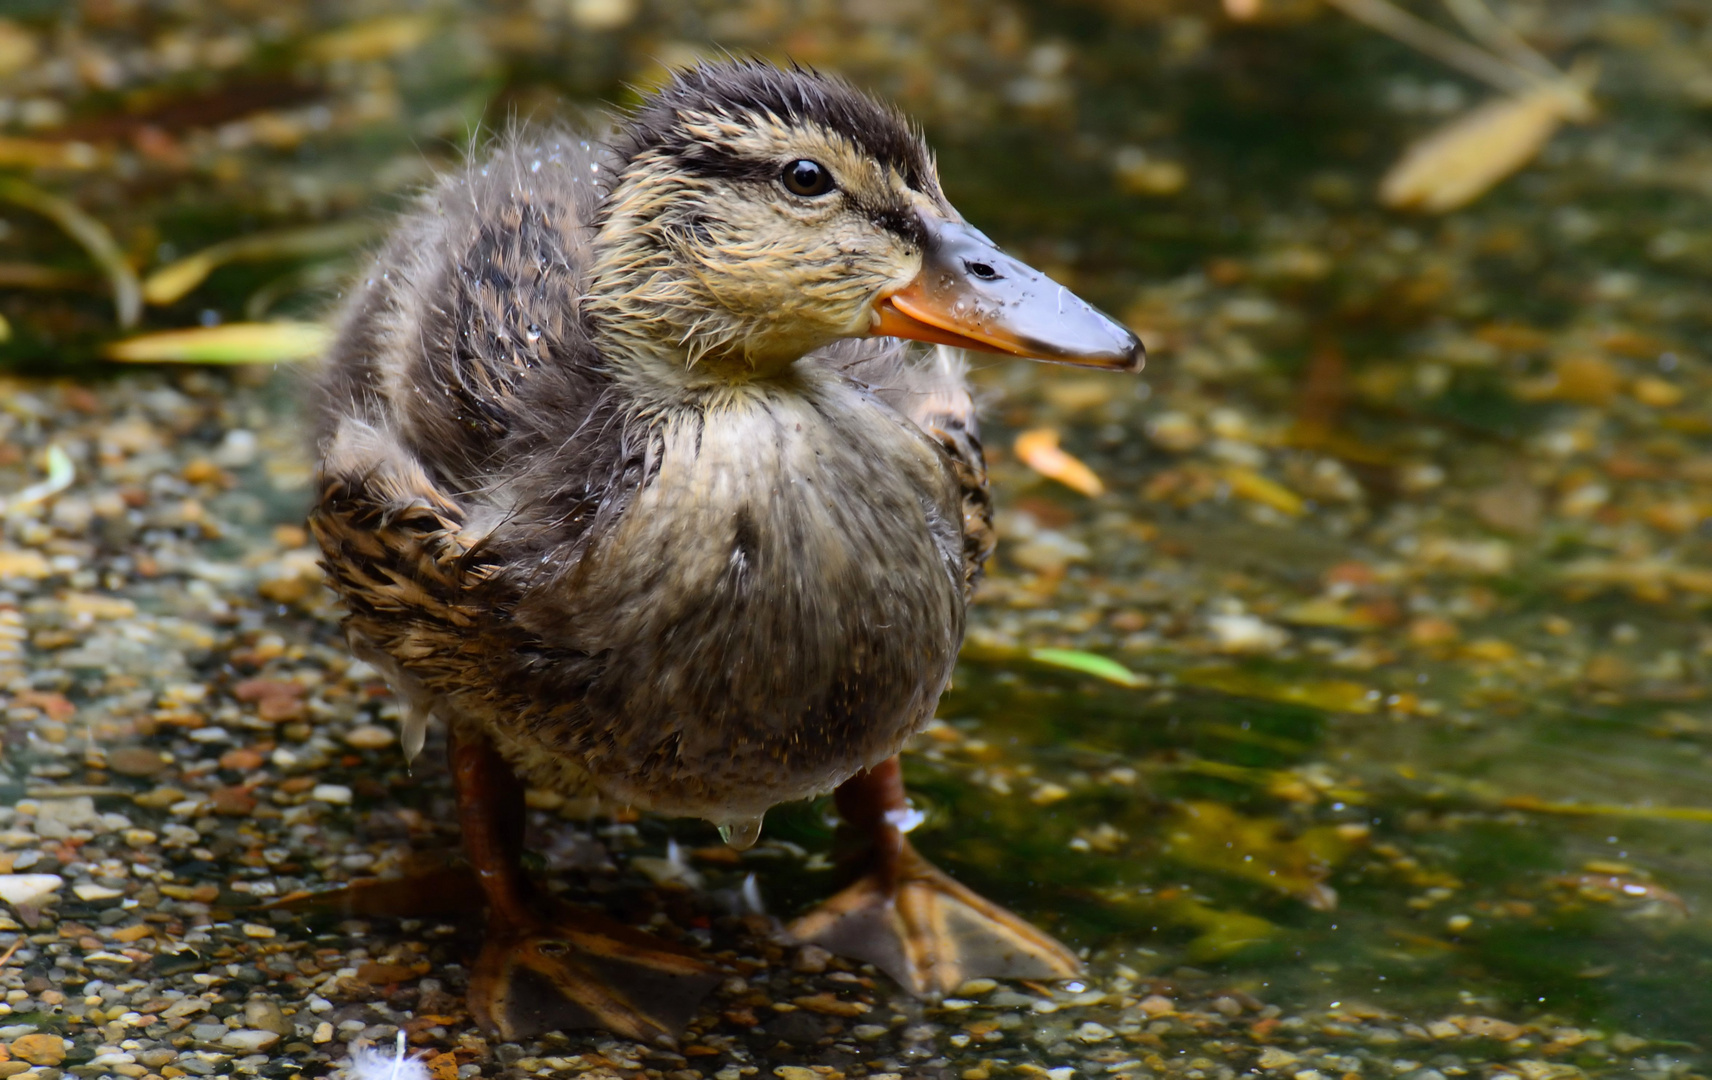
[
  {"x": 171, "y": 282},
  {"x": 1250, "y": 485},
  {"x": 1089, "y": 664},
  {"x": 1332, "y": 695},
  {"x": 1039, "y": 450},
  {"x": 233, "y": 343},
  {"x": 1212, "y": 836},
  {"x": 1461, "y": 161},
  {"x": 127, "y": 294}
]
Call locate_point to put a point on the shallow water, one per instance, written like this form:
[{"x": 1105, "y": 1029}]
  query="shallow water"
[{"x": 1403, "y": 552}]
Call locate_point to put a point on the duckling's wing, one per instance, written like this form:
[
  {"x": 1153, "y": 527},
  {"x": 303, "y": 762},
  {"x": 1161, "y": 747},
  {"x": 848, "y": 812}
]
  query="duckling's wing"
[
  {"x": 933, "y": 391},
  {"x": 397, "y": 553},
  {"x": 470, "y": 314}
]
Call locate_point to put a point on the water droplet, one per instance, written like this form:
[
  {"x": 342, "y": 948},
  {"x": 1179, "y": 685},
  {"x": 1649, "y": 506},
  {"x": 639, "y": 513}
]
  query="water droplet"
[
  {"x": 533, "y": 333},
  {"x": 534, "y": 166},
  {"x": 740, "y": 835}
]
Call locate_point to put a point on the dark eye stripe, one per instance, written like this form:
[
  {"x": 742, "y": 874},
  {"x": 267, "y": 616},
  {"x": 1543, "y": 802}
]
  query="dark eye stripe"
[{"x": 701, "y": 162}]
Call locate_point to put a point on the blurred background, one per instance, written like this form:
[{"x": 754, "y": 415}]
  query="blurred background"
[{"x": 1340, "y": 684}]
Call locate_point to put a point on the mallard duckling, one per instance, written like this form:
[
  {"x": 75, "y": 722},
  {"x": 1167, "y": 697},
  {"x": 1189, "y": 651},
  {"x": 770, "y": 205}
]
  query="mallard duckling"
[{"x": 625, "y": 479}]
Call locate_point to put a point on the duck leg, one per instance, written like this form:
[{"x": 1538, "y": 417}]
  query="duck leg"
[
  {"x": 549, "y": 966},
  {"x": 911, "y": 920}
]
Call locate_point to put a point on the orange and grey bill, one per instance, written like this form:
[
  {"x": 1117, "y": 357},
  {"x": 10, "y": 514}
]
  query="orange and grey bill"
[{"x": 974, "y": 296}]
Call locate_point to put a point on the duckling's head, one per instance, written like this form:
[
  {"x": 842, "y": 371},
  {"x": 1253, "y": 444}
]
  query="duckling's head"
[{"x": 759, "y": 213}]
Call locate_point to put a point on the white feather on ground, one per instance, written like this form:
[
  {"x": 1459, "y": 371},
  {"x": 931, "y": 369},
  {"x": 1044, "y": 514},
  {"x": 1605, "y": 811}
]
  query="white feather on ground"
[{"x": 372, "y": 1063}]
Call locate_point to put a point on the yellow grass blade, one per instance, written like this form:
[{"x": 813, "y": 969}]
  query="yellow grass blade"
[
  {"x": 233, "y": 343},
  {"x": 171, "y": 282},
  {"x": 127, "y": 295}
]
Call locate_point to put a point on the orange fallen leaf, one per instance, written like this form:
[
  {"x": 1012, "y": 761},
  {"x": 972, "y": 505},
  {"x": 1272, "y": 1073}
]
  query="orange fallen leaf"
[{"x": 1038, "y": 448}]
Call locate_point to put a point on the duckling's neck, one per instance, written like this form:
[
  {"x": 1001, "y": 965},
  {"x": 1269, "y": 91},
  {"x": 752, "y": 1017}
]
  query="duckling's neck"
[
  {"x": 657, "y": 329},
  {"x": 664, "y": 366}
]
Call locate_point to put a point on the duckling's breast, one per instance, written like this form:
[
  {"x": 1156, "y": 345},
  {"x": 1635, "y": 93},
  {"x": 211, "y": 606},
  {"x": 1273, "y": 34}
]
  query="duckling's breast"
[{"x": 779, "y": 607}]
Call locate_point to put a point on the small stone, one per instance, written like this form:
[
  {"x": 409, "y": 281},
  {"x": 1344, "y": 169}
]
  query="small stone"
[
  {"x": 264, "y": 1015},
  {"x": 208, "y": 1032},
  {"x": 257, "y": 930},
  {"x": 1091, "y": 1032},
  {"x": 1487, "y": 1027},
  {"x": 974, "y": 988},
  {"x": 136, "y": 761},
  {"x": 280, "y": 710},
  {"x": 1176, "y": 432},
  {"x": 57, "y": 818},
  {"x": 337, "y": 794},
  {"x": 1048, "y": 793},
  {"x": 795, "y": 1072},
  {"x": 370, "y": 737},
  {"x": 91, "y": 891},
  {"x": 1274, "y": 1058},
  {"x": 39, "y": 1049},
  {"x": 28, "y": 890},
  {"x": 241, "y": 759},
  {"x": 1243, "y": 633},
  {"x": 1156, "y": 1005},
  {"x": 323, "y": 1033},
  {"x": 810, "y": 960},
  {"x": 237, "y": 801},
  {"x": 188, "y": 1006},
  {"x": 249, "y": 1040}
]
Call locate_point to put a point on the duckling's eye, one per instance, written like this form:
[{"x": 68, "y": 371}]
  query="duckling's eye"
[{"x": 805, "y": 177}]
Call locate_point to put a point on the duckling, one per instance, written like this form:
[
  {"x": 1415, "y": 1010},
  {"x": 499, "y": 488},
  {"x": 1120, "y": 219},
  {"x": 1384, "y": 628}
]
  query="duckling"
[{"x": 628, "y": 479}]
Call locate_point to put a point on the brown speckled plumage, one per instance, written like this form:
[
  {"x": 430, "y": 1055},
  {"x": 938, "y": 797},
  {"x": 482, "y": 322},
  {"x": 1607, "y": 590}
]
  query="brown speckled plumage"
[
  {"x": 621, "y": 482},
  {"x": 525, "y": 544}
]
